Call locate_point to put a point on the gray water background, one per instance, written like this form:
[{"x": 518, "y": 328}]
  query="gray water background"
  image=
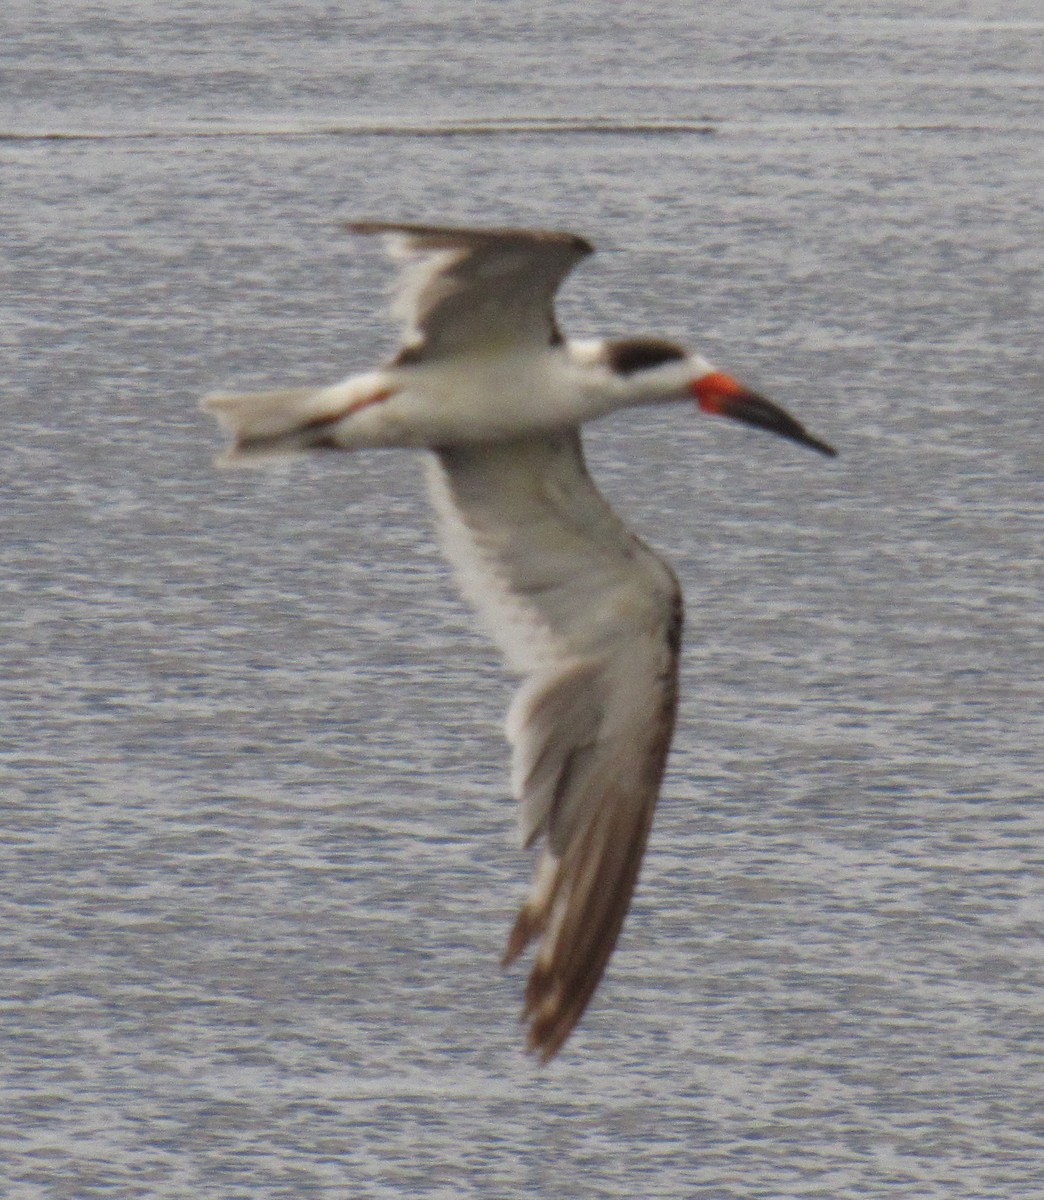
[{"x": 255, "y": 839}]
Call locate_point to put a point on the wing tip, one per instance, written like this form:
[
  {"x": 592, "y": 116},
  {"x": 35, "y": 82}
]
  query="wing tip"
[
  {"x": 552, "y": 1012},
  {"x": 446, "y": 234}
]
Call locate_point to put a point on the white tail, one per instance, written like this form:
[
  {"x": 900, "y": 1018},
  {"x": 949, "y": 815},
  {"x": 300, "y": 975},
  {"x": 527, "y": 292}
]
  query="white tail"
[
  {"x": 306, "y": 418},
  {"x": 271, "y": 422}
]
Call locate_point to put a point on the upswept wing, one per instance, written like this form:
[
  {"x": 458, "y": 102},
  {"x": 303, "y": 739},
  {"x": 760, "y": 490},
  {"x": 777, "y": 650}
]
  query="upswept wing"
[
  {"x": 591, "y": 618},
  {"x": 469, "y": 289}
]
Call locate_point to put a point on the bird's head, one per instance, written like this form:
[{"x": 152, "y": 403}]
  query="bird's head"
[{"x": 659, "y": 369}]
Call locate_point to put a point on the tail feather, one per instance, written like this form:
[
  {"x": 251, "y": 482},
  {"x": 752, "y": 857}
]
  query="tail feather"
[
  {"x": 261, "y": 412},
  {"x": 342, "y": 416},
  {"x": 278, "y": 422}
]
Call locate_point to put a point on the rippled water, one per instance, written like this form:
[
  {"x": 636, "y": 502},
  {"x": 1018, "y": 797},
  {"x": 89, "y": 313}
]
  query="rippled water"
[{"x": 256, "y": 842}]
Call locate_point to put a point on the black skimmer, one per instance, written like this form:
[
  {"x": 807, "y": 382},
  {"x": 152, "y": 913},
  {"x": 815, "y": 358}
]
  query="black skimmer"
[{"x": 583, "y": 611}]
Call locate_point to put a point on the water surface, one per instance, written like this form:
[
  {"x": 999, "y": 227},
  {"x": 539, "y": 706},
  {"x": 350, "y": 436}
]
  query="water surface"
[{"x": 256, "y": 836}]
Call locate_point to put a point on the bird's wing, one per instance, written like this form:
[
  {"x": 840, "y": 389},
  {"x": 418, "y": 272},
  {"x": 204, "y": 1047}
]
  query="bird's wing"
[
  {"x": 472, "y": 288},
  {"x": 591, "y": 618}
]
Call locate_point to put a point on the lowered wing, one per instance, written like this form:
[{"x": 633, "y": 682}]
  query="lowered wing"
[{"x": 591, "y": 618}]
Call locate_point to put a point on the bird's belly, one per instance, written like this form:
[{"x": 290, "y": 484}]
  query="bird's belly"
[{"x": 479, "y": 402}]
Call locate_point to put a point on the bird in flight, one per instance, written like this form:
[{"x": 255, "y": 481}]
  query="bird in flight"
[{"x": 583, "y": 611}]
